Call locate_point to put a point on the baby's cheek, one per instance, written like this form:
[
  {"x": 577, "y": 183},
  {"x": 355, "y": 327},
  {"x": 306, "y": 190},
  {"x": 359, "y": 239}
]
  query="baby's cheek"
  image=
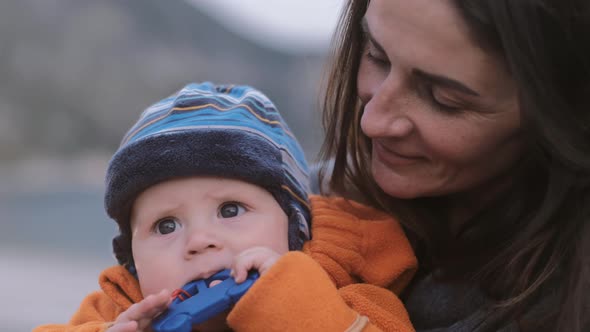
[
  {"x": 151, "y": 281},
  {"x": 145, "y": 284}
]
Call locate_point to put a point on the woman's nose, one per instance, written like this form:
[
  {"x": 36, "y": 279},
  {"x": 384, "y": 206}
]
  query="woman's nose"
[
  {"x": 380, "y": 121},
  {"x": 387, "y": 113}
]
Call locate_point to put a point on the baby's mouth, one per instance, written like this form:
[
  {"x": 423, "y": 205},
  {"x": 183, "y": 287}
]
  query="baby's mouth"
[
  {"x": 215, "y": 283},
  {"x": 207, "y": 275},
  {"x": 215, "y": 265}
]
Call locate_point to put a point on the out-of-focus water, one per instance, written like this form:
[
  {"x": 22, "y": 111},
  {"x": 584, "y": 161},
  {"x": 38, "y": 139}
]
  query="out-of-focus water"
[{"x": 53, "y": 245}]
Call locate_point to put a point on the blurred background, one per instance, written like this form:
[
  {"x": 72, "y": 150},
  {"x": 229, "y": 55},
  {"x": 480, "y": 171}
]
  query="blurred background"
[{"x": 75, "y": 75}]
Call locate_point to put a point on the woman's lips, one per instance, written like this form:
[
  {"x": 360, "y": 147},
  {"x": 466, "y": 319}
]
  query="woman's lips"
[{"x": 392, "y": 158}]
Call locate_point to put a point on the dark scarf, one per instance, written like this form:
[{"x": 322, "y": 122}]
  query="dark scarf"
[{"x": 442, "y": 306}]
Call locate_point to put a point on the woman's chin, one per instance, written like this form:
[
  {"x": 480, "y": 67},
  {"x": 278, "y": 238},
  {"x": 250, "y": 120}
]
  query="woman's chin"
[{"x": 396, "y": 185}]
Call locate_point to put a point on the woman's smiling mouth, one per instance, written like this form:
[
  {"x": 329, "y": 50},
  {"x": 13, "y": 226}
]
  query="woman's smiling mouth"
[{"x": 392, "y": 158}]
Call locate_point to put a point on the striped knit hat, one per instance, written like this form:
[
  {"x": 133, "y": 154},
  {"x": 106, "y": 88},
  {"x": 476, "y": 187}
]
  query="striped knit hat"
[{"x": 209, "y": 130}]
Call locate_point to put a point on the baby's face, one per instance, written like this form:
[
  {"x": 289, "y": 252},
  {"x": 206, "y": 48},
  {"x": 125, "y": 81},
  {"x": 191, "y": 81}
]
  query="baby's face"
[{"x": 190, "y": 228}]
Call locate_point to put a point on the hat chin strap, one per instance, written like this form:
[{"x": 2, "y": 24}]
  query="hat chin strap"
[{"x": 298, "y": 231}]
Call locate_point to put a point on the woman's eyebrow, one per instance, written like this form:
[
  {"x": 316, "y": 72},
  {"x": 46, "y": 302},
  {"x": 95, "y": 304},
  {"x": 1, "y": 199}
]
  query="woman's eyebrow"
[
  {"x": 433, "y": 78},
  {"x": 444, "y": 81},
  {"x": 367, "y": 33}
]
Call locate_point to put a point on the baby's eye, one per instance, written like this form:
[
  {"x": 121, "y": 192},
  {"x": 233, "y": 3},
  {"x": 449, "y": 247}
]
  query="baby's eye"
[
  {"x": 231, "y": 209},
  {"x": 166, "y": 226}
]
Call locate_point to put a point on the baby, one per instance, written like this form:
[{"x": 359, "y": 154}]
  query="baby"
[{"x": 212, "y": 178}]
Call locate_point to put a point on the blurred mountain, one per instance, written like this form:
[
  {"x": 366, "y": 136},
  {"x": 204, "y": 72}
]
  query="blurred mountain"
[{"x": 75, "y": 74}]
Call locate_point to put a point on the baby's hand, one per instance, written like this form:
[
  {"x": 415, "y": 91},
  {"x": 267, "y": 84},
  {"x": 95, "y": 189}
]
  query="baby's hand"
[
  {"x": 258, "y": 258},
  {"x": 138, "y": 317}
]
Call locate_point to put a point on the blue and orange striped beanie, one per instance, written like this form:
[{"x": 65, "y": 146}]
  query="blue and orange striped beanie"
[{"x": 209, "y": 130}]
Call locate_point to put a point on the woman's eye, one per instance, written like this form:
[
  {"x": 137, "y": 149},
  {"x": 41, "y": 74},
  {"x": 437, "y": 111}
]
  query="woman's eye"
[
  {"x": 377, "y": 60},
  {"x": 427, "y": 91},
  {"x": 375, "y": 56},
  {"x": 230, "y": 210},
  {"x": 166, "y": 226}
]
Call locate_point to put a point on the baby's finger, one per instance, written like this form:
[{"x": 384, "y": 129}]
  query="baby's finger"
[
  {"x": 240, "y": 270},
  {"x": 259, "y": 258},
  {"x": 242, "y": 264},
  {"x": 130, "y": 326},
  {"x": 148, "y": 308},
  {"x": 155, "y": 304}
]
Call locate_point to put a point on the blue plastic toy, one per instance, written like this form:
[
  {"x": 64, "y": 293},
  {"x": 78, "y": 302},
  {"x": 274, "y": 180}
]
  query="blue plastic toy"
[{"x": 197, "y": 302}]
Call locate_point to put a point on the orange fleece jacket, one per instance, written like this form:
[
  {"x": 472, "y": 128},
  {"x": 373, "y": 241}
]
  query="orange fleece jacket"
[{"x": 346, "y": 279}]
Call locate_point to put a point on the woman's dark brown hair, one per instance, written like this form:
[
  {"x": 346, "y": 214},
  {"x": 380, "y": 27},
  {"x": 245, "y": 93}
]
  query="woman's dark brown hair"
[{"x": 534, "y": 240}]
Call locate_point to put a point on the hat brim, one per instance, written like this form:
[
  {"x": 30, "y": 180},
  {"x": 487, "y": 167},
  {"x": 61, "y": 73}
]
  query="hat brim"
[{"x": 204, "y": 152}]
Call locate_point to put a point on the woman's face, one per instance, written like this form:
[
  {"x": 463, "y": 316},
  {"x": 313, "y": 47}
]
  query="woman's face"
[{"x": 442, "y": 113}]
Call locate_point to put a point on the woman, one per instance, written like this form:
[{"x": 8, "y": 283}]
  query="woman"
[{"x": 470, "y": 121}]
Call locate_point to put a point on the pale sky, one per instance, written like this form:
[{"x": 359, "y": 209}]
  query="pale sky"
[{"x": 293, "y": 26}]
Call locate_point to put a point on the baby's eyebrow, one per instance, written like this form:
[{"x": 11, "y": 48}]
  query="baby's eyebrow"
[{"x": 151, "y": 214}]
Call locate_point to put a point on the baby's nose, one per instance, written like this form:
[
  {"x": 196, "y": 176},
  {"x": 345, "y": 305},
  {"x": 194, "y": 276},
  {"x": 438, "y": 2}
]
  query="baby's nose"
[{"x": 200, "y": 242}]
